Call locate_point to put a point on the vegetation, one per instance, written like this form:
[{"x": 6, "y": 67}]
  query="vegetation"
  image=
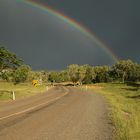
[
  {"x": 21, "y": 74},
  {"x": 124, "y": 102},
  {"x": 8, "y": 60},
  {"x": 22, "y": 90},
  {"x": 123, "y": 71},
  {"x": 14, "y": 75},
  {"x": 123, "y": 97},
  {"x": 126, "y": 71},
  {"x": 11, "y": 69}
]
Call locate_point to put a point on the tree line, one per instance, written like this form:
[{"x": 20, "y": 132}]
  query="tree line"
[
  {"x": 123, "y": 71},
  {"x": 13, "y": 69}
]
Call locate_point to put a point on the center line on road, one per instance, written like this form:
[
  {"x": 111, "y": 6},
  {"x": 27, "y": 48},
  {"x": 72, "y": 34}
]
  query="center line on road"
[{"x": 34, "y": 107}]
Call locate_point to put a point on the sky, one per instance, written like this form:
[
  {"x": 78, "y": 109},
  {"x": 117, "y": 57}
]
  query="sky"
[{"x": 44, "y": 41}]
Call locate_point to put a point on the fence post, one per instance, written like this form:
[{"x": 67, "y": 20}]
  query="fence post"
[
  {"x": 86, "y": 87},
  {"x": 47, "y": 88},
  {"x": 13, "y": 95}
]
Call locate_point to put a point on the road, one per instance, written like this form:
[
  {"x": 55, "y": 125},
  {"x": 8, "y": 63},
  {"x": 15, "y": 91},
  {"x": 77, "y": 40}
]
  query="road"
[{"x": 62, "y": 113}]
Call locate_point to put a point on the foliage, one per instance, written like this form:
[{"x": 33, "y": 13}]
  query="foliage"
[
  {"x": 73, "y": 72},
  {"x": 21, "y": 74},
  {"x": 81, "y": 73},
  {"x": 8, "y": 60},
  {"x": 64, "y": 76},
  {"x": 126, "y": 70},
  {"x": 55, "y": 77},
  {"x": 102, "y": 74},
  {"x": 37, "y": 75},
  {"x": 122, "y": 71},
  {"x": 7, "y": 75},
  {"x": 89, "y": 75}
]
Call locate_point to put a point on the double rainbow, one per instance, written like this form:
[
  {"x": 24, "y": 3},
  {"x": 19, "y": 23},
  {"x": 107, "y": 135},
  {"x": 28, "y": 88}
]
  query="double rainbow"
[{"x": 73, "y": 23}]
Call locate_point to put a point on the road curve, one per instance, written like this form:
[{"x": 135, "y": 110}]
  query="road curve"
[{"x": 59, "y": 114}]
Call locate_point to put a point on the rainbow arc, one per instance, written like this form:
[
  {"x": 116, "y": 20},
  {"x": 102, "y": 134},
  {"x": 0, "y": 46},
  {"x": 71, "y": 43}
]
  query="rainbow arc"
[{"x": 73, "y": 23}]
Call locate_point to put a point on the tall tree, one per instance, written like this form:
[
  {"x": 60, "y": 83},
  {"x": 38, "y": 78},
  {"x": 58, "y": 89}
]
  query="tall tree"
[
  {"x": 102, "y": 73},
  {"x": 81, "y": 73},
  {"x": 73, "y": 72},
  {"x": 89, "y": 75},
  {"x": 55, "y": 76},
  {"x": 21, "y": 74},
  {"x": 8, "y": 59},
  {"x": 126, "y": 70}
]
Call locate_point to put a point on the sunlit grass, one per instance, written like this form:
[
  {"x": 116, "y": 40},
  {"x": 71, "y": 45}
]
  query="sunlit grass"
[
  {"x": 124, "y": 102},
  {"x": 21, "y": 90}
]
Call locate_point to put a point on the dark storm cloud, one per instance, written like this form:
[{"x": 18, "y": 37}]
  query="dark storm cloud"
[
  {"x": 115, "y": 22},
  {"x": 43, "y": 41}
]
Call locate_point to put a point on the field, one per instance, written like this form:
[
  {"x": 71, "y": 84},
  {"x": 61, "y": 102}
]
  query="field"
[
  {"x": 21, "y": 90},
  {"x": 124, "y": 105}
]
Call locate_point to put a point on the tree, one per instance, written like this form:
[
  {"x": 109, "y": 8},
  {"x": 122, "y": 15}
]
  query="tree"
[
  {"x": 55, "y": 77},
  {"x": 126, "y": 70},
  {"x": 7, "y": 75},
  {"x": 89, "y": 75},
  {"x": 73, "y": 72},
  {"x": 135, "y": 73},
  {"x": 81, "y": 73},
  {"x": 138, "y": 72},
  {"x": 102, "y": 74},
  {"x": 64, "y": 76},
  {"x": 21, "y": 74},
  {"x": 44, "y": 76},
  {"x": 8, "y": 60}
]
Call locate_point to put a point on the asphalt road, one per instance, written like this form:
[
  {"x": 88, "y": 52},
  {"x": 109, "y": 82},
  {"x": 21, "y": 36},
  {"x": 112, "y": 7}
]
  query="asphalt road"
[{"x": 62, "y": 113}]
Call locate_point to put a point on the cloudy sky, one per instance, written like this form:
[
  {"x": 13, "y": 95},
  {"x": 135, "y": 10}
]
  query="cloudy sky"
[{"x": 46, "y": 42}]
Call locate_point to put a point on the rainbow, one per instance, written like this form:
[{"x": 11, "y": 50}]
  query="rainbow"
[{"x": 73, "y": 23}]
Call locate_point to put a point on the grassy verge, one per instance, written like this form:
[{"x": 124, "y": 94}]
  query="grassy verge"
[
  {"x": 124, "y": 101},
  {"x": 21, "y": 90}
]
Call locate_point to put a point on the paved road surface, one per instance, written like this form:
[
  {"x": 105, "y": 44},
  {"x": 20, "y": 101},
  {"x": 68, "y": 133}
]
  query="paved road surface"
[{"x": 62, "y": 113}]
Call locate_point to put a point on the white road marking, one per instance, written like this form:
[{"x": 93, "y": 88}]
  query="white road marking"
[{"x": 34, "y": 107}]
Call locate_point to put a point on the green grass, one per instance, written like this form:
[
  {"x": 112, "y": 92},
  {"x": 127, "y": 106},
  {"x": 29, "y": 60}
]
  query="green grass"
[
  {"x": 21, "y": 90},
  {"x": 124, "y": 103}
]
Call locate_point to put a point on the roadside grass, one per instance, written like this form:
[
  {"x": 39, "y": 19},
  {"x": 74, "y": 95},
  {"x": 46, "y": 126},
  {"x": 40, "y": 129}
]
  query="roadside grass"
[
  {"x": 124, "y": 103},
  {"x": 21, "y": 90}
]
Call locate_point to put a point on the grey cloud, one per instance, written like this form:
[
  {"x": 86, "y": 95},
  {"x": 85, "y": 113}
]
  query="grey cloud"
[{"x": 43, "y": 41}]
